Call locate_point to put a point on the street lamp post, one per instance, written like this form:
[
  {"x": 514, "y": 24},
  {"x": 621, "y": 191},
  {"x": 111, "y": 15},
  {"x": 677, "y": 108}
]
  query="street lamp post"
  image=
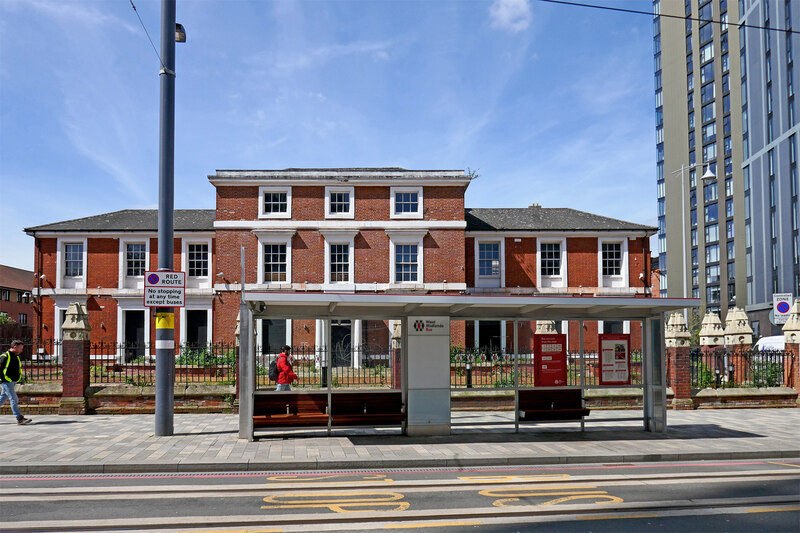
[{"x": 165, "y": 316}]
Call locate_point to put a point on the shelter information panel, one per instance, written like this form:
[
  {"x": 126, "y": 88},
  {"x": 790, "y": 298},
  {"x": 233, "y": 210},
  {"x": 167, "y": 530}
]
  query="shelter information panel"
[
  {"x": 550, "y": 368},
  {"x": 615, "y": 358}
]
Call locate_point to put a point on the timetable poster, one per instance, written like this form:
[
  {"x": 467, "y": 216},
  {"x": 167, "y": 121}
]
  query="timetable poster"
[
  {"x": 551, "y": 360},
  {"x": 615, "y": 359}
]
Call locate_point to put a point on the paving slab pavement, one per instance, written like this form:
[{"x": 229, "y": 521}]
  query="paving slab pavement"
[{"x": 126, "y": 443}]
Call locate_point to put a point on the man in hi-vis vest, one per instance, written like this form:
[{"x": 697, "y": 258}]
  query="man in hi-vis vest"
[{"x": 10, "y": 372}]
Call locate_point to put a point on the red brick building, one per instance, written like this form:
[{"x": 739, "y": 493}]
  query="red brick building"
[
  {"x": 383, "y": 230},
  {"x": 15, "y": 298}
]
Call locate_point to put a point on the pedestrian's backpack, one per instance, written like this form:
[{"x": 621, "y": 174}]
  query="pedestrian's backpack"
[{"x": 273, "y": 370}]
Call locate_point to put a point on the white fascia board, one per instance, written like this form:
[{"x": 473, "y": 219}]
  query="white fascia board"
[
  {"x": 561, "y": 233},
  {"x": 508, "y": 306},
  {"x": 349, "y": 225},
  {"x": 267, "y": 182},
  {"x": 120, "y": 234}
]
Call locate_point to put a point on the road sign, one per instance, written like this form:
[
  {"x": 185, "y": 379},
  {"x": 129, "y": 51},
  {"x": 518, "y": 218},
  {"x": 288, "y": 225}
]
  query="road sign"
[
  {"x": 164, "y": 288},
  {"x": 781, "y": 305}
]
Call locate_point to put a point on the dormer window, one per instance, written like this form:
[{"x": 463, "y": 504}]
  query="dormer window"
[
  {"x": 406, "y": 202},
  {"x": 339, "y": 202},
  {"x": 275, "y": 202}
]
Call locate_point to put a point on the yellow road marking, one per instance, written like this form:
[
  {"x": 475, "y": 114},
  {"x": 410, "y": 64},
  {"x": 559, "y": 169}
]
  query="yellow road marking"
[
  {"x": 434, "y": 524},
  {"x": 784, "y": 464},
  {"x": 339, "y": 502},
  {"x": 609, "y": 499},
  {"x": 773, "y": 510},
  {"x": 618, "y": 517},
  {"x": 302, "y": 479}
]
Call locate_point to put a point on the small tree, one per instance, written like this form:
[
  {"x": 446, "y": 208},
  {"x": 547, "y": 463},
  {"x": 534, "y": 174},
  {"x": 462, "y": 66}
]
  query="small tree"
[{"x": 6, "y": 319}]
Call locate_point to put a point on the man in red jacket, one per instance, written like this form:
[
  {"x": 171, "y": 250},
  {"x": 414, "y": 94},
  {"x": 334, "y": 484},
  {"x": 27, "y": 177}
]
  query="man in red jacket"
[{"x": 285, "y": 373}]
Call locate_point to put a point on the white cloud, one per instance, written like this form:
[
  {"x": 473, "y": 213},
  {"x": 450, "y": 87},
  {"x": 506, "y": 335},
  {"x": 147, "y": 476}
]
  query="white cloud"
[
  {"x": 70, "y": 12},
  {"x": 511, "y": 15},
  {"x": 288, "y": 62}
]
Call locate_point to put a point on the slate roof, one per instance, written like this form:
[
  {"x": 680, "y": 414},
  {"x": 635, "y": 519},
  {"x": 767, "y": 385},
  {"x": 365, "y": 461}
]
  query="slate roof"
[
  {"x": 15, "y": 278},
  {"x": 545, "y": 219},
  {"x": 133, "y": 220}
]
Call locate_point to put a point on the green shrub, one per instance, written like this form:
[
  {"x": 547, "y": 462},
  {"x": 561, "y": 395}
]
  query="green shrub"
[
  {"x": 767, "y": 374},
  {"x": 704, "y": 376}
]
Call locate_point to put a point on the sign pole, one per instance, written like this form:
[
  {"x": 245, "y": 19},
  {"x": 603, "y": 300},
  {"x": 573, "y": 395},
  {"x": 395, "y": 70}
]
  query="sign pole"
[{"x": 165, "y": 316}]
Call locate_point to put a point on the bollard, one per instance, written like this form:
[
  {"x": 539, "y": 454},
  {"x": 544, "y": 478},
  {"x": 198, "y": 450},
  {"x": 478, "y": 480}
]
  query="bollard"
[
  {"x": 469, "y": 375},
  {"x": 323, "y": 376}
]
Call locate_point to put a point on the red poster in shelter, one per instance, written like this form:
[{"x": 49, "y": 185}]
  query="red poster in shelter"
[
  {"x": 550, "y": 368},
  {"x": 615, "y": 358}
]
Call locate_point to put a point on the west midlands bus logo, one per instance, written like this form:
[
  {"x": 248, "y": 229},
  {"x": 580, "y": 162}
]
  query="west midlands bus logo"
[{"x": 418, "y": 325}]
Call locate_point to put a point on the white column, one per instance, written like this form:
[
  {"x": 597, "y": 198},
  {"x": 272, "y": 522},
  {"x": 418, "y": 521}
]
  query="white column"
[
  {"x": 503, "y": 336},
  {"x": 357, "y": 355},
  {"x": 477, "y": 337},
  {"x": 319, "y": 341},
  {"x": 289, "y": 332}
]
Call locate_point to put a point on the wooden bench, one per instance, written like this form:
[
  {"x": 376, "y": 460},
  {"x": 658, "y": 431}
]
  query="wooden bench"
[
  {"x": 551, "y": 405},
  {"x": 304, "y": 409},
  {"x": 290, "y": 409},
  {"x": 367, "y": 408}
]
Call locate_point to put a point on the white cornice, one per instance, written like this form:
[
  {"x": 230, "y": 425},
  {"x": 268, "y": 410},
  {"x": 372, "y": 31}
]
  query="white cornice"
[
  {"x": 354, "y": 225},
  {"x": 388, "y": 182}
]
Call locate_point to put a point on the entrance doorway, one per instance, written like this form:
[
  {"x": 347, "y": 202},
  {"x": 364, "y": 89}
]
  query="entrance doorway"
[
  {"x": 134, "y": 334},
  {"x": 196, "y": 328},
  {"x": 273, "y": 335},
  {"x": 489, "y": 336},
  {"x": 342, "y": 342}
]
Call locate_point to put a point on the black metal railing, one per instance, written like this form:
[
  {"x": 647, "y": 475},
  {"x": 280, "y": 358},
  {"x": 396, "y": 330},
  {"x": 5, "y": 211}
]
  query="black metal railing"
[
  {"x": 752, "y": 368},
  {"x": 41, "y": 361},
  {"x": 134, "y": 364},
  {"x": 477, "y": 368},
  {"x": 365, "y": 366}
]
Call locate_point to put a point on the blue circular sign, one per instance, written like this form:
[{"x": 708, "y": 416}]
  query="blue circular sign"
[
  {"x": 152, "y": 279},
  {"x": 782, "y": 307}
]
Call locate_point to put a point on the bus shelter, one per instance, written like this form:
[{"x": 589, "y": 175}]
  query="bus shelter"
[{"x": 424, "y": 347}]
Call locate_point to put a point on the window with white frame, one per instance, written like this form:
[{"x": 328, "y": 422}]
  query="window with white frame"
[
  {"x": 197, "y": 260},
  {"x": 274, "y": 262},
  {"x": 73, "y": 259},
  {"x": 135, "y": 259},
  {"x": 612, "y": 258},
  {"x": 406, "y": 265},
  {"x": 339, "y": 202},
  {"x": 339, "y": 259},
  {"x": 275, "y": 202},
  {"x": 489, "y": 259},
  {"x": 406, "y": 254},
  {"x": 550, "y": 262},
  {"x": 613, "y": 262},
  {"x": 405, "y": 202}
]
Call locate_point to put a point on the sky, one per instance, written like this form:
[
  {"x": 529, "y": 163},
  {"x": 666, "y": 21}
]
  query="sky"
[{"x": 548, "y": 103}]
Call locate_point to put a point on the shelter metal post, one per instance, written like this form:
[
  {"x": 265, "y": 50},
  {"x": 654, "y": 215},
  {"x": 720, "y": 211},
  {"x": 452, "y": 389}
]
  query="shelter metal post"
[
  {"x": 247, "y": 377},
  {"x": 404, "y": 367},
  {"x": 328, "y": 368},
  {"x": 516, "y": 376},
  {"x": 581, "y": 358},
  {"x": 654, "y": 375}
]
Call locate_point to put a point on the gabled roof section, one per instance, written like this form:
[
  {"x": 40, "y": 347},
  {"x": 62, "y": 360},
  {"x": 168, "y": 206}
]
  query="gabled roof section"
[
  {"x": 130, "y": 220},
  {"x": 537, "y": 218},
  {"x": 16, "y": 278}
]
